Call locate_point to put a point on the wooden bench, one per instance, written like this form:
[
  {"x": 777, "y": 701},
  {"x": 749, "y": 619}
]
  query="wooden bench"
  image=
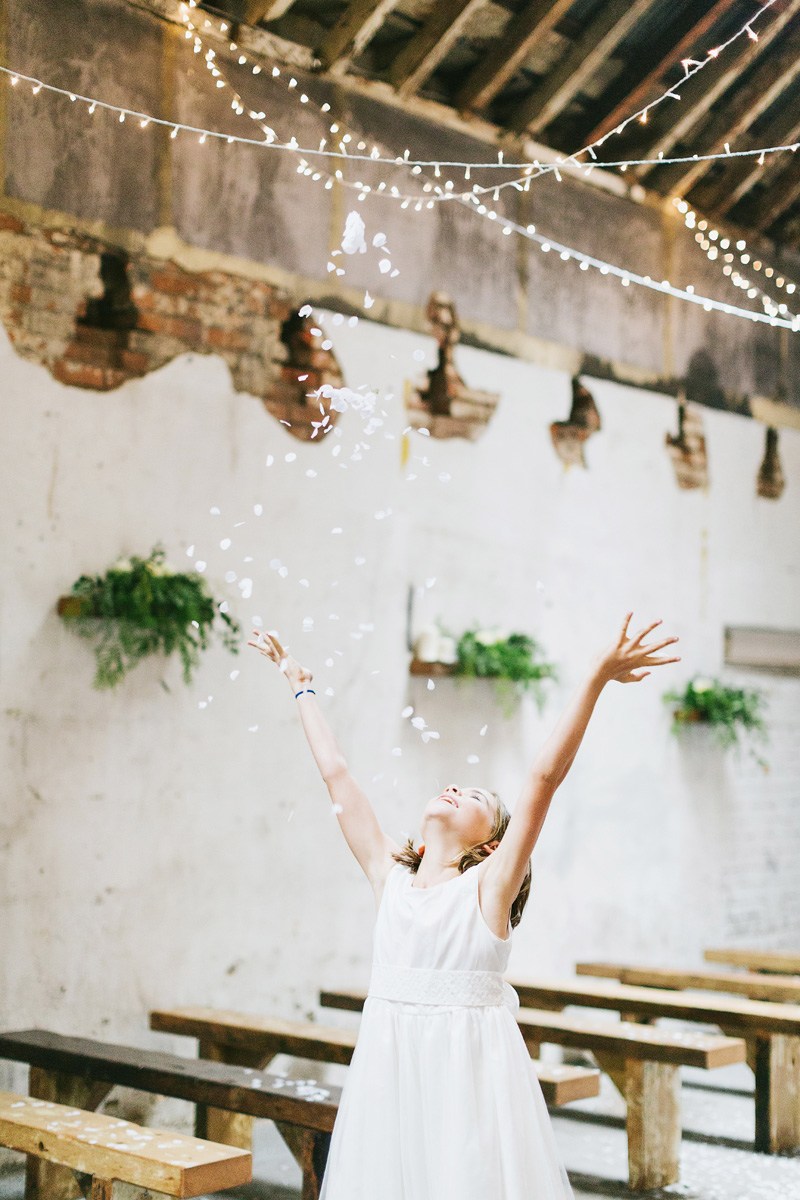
[
  {"x": 643, "y": 1062},
  {"x": 782, "y": 989},
  {"x": 81, "y": 1072},
  {"x": 253, "y": 1040},
  {"x": 779, "y": 962},
  {"x": 111, "y": 1158},
  {"x": 771, "y": 1031}
]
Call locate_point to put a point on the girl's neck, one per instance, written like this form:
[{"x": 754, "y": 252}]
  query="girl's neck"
[{"x": 436, "y": 866}]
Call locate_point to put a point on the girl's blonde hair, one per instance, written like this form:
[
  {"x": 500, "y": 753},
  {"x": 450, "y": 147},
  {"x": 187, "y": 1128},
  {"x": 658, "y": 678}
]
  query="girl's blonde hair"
[{"x": 410, "y": 857}]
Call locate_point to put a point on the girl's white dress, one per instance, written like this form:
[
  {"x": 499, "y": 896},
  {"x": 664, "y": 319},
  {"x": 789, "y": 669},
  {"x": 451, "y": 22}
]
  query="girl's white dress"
[{"x": 441, "y": 1101}]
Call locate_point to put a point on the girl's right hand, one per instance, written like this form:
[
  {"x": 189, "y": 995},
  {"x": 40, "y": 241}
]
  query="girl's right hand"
[{"x": 270, "y": 647}]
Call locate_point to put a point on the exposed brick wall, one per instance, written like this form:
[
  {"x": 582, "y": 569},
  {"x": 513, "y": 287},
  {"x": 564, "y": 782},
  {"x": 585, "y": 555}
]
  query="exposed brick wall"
[{"x": 51, "y": 284}]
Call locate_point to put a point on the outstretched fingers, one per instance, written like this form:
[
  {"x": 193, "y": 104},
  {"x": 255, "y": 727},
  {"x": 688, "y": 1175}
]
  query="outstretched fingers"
[
  {"x": 644, "y": 632},
  {"x": 624, "y": 631}
]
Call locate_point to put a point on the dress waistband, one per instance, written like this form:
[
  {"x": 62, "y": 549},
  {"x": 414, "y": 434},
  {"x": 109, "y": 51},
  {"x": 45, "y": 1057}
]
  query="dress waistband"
[{"x": 422, "y": 985}]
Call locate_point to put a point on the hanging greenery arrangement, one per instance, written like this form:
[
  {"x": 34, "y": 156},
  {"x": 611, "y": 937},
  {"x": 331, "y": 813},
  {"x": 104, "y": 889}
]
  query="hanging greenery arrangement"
[
  {"x": 515, "y": 660},
  {"x": 728, "y": 711},
  {"x": 142, "y": 607}
]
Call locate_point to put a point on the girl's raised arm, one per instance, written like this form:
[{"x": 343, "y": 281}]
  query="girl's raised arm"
[
  {"x": 624, "y": 661},
  {"x": 371, "y": 847}
]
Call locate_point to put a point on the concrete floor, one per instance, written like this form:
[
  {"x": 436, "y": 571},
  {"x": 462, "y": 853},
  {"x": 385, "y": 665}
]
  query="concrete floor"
[{"x": 716, "y": 1161}]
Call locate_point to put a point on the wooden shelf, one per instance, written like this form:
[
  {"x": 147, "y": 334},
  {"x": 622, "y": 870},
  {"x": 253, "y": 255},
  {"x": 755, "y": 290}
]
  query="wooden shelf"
[{"x": 433, "y": 670}]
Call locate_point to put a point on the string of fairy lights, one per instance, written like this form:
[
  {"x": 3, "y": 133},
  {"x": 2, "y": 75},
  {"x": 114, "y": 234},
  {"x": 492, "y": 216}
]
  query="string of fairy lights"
[
  {"x": 432, "y": 192},
  {"x": 586, "y": 262},
  {"x": 733, "y": 253}
]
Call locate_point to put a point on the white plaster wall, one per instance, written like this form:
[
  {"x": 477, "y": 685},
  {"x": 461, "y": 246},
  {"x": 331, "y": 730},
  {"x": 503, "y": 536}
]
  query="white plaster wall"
[{"x": 153, "y": 852}]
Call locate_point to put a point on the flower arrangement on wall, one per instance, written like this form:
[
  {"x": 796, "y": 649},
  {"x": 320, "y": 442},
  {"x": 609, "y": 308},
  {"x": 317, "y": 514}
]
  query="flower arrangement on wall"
[
  {"x": 515, "y": 660},
  {"x": 729, "y": 712},
  {"x": 141, "y": 606}
]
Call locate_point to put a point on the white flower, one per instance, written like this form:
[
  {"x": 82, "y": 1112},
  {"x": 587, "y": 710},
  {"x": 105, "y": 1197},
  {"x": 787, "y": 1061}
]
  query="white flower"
[{"x": 490, "y": 637}]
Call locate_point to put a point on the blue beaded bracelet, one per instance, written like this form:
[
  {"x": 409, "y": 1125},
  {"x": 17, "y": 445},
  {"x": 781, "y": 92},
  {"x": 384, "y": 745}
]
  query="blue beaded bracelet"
[{"x": 302, "y": 690}]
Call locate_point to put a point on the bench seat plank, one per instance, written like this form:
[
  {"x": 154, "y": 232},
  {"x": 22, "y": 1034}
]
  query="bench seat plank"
[
  {"x": 113, "y": 1149},
  {"x": 781, "y": 989},
  {"x": 785, "y": 962},
  {"x": 732, "y": 1013},
  {"x": 262, "y": 1035},
  {"x": 237, "y": 1089}
]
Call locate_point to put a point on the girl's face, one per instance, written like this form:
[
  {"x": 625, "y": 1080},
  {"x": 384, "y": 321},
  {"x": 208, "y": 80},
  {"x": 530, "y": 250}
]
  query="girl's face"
[{"x": 469, "y": 813}]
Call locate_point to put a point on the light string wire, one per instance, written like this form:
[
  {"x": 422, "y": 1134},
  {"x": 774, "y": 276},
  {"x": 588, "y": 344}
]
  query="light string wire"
[
  {"x": 271, "y": 143},
  {"x": 718, "y": 247}
]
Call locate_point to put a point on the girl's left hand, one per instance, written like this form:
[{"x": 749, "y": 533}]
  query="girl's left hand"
[{"x": 625, "y": 659}]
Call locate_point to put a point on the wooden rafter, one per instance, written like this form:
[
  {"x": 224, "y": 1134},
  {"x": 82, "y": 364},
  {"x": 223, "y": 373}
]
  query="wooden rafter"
[
  {"x": 630, "y": 101},
  {"x": 265, "y": 10},
  {"x": 770, "y": 207},
  {"x": 745, "y": 173},
  {"x": 356, "y": 27},
  {"x": 705, "y": 88},
  {"x": 734, "y": 118},
  {"x": 523, "y": 34},
  {"x": 417, "y": 60},
  {"x": 596, "y": 43}
]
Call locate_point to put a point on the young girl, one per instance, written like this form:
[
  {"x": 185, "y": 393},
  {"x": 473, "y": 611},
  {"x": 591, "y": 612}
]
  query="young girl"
[{"x": 441, "y": 1102}]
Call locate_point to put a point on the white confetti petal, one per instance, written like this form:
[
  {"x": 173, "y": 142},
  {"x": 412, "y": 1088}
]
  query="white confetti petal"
[
  {"x": 353, "y": 238},
  {"x": 305, "y": 311},
  {"x": 230, "y": 576},
  {"x": 258, "y": 509},
  {"x": 225, "y": 543},
  {"x": 472, "y": 759},
  {"x": 234, "y": 674},
  {"x": 385, "y": 265},
  {"x": 431, "y": 685},
  {"x": 200, "y": 566},
  {"x": 483, "y": 730},
  {"x": 214, "y": 511},
  {"x": 379, "y": 239},
  {"x": 290, "y": 457},
  {"x": 252, "y": 729},
  {"x": 418, "y": 722},
  {"x": 368, "y": 301},
  {"x": 270, "y": 460},
  {"x": 190, "y": 552},
  {"x": 304, "y": 583},
  {"x": 397, "y": 752},
  {"x": 407, "y": 711}
]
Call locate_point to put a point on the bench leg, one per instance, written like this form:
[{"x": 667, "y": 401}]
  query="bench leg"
[
  {"x": 46, "y": 1180},
  {"x": 777, "y": 1071},
  {"x": 216, "y": 1124},
  {"x": 652, "y": 1092},
  {"x": 310, "y": 1150}
]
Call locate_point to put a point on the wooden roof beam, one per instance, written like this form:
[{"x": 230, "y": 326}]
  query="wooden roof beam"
[
  {"x": 522, "y": 35},
  {"x": 355, "y": 29},
  {"x": 703, "y": 90},
  {"x": 635, "y": 99},
  {"x": 596, "y": 43},
  {"x": 745, "y": 106},
  {"x": 745, "y": 173},
  {"x": 417, "y": 61},
  {"x": 265, "y": 10},
  {"x": 770, "y": 207}
]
